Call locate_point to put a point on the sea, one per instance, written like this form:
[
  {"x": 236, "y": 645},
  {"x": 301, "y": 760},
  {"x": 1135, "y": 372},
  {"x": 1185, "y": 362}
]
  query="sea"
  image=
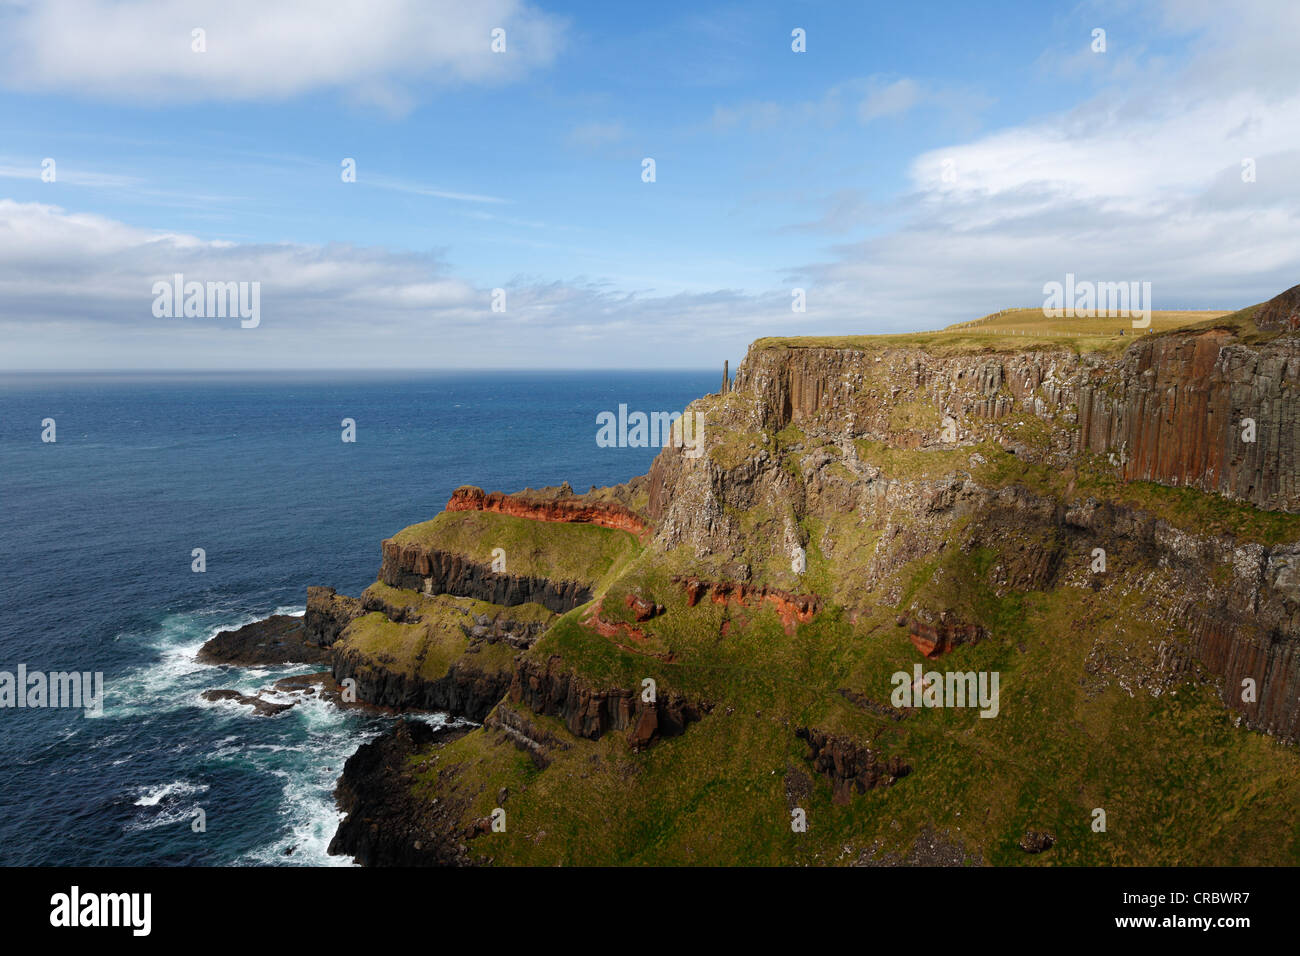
[{"x": 98, "y": 531}]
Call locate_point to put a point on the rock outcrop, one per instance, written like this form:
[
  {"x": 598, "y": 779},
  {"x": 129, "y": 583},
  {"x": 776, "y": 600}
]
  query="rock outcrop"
[
  {"x": 549, "y": 688},
  {"x": 936, "y": 635},
  {"x": 466, "y": 690},
  {"x": 278, "y": 639},
  {"x": 848, "y": 764},
  {"x": 1281, "y": 313},
  {"x": 387, "y": 823},
  {"x": 604, "y": 513},
  {"x": 328, "y": 613},
  {"x": 791, "y": 608},
  {"x": 432, "y": 571}
]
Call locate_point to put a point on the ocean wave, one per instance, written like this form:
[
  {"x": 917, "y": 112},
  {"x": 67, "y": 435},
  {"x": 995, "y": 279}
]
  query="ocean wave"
[
  {"x": 303, "y": 748},
  {"x": 177, "y": 678},
  {"x": 152, "y": 796},
  {"x": 164, "y": 805}
]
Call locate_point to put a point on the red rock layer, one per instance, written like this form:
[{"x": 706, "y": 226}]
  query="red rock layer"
[
  {"x": 933, "y": 640},
  {"x": 790, "y": 607},
  {"x": 613, "y": 629},
  {"x": 603, "y": 513}
]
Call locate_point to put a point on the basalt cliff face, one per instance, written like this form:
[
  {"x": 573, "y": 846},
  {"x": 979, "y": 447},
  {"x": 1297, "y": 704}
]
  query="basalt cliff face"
[
  {"x": 1171, "y": 409},
  {"x": 1115, "y": 531}
]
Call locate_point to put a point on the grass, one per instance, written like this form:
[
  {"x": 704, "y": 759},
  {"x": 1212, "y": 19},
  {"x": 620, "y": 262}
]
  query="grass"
[
  {"x": 1014, "y": 330},
  {"x": 1188, "y": 788},
  {"x": 445, "y": 609},
  {"x": 559, "y": 551},
  {"x": 429, "y": 648}
]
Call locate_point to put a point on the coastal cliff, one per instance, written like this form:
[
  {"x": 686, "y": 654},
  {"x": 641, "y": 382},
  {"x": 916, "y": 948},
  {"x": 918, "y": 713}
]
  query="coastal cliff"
[{"x": 672, "y": 670}]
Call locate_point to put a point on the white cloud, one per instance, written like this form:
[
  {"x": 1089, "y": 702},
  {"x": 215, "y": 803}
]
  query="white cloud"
[
  {"x": 76, "y": 292},
  {"x": 869, "y": 99},
  {"x": 889, "y": 99},
  {"x": 1143, "y": 181},
  {"x": 373, "y": 52}
]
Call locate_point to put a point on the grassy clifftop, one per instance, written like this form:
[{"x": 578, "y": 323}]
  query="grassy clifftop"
[
  {"x": 1014, "y": 330},
  {"x": 554, "y": 550}
]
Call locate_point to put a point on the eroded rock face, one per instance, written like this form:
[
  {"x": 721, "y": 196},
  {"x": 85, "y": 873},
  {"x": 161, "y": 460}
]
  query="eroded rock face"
[
  {"x": 278, "y": 639},
  {"x": 790, "y": 607},
  {"x": 603, "y": 513},
  {"x": 1170, "y": 409},
  {"x": 934, "y": 635},
  {"x": 466, "y": 690},
  {"x": 851, "y": 766},
  {"x": 1174, "y": 411},
  {"x": 387, "y": 823},
  {"x": 419, "y": 568},
  {"x": 328, "y": 613},
  {"x": 1281, "y": 313},
  {"x": 550, "y": 689}
]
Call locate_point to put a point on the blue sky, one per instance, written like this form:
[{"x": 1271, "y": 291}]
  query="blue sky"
[{"x": 774, "y": 170}]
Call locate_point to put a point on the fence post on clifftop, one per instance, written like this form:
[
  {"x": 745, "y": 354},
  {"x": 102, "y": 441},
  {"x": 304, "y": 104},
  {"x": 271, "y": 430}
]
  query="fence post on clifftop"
[{"x": 726, "y": 377}]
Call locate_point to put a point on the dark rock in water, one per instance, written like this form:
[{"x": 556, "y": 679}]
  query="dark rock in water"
[
  {"x": 322, "y": 683},
  {"x": 387, "y": 824},
  {"x": 1036, "y": 841},
  {"x": 265, "y": 708},
  {"x": 279, "y": 639}
]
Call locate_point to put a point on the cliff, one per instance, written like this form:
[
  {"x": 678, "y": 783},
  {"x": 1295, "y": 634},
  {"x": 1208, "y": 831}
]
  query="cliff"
[
  {"x": 606, "y": 514},
  {"x": 1109, "y": 524}
]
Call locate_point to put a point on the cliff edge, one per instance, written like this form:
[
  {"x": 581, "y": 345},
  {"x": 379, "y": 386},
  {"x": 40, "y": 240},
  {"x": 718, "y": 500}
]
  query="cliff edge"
[{"x": 748, "y": 655}]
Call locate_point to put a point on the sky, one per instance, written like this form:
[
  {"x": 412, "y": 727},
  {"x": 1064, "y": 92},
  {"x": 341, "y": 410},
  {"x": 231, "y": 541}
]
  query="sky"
[{"x": 913, "y": 166}]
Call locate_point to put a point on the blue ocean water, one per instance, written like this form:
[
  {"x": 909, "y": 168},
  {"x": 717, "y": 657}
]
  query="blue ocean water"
[{"x": 96, "y": 534}]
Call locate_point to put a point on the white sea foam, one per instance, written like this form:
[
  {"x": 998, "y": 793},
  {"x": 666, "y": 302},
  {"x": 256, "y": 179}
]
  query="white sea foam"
[
  {"x": 152, "y": 796},
  {"x": 164, "y": 805},
  {"x": 308, "y": 747}
]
